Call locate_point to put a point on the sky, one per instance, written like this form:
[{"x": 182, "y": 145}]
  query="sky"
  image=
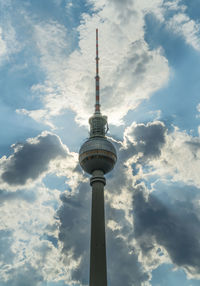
[{"x": 150, "y": 81}]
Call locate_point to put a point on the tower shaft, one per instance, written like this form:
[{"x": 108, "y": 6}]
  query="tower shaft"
[{"x": 98, "y": 274}]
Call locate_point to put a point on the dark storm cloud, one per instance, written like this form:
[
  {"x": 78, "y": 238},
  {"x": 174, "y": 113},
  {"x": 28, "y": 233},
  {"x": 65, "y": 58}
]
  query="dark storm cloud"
[
  {"x": 176, "y": 227},
  {"x": 149, "y": 138},
  {"x": 172, "y": 222},
  {"x": 123, "y": 265},
  {"x": 30, "y": 159},
  {"x": 122, "y": 260},
  {"x": 74, "y": 231}
]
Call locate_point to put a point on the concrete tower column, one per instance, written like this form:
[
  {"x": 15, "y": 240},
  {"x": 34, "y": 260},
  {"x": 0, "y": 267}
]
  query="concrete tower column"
[{"x": 98, "y": 274}]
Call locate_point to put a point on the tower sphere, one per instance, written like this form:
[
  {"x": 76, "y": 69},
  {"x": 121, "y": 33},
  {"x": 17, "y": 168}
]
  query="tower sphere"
[{"x": 97, "y": 153}]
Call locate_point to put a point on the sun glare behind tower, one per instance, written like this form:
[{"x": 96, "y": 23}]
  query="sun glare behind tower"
[{"x": 97, "y": 156}]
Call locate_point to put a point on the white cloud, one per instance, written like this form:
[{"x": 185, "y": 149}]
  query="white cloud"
[
  {"x": 181, "y": 24},
  {"x": 174, "y": 15},
  {"x": 57, "y": 2},
  {"x": 32, "y": 224},
  {"x": 177, "y": 20},
  {"x": 129, "y": 71},
  {"x": 198, "y": 107},
  {"x": 30, "y": 220},
  {"x": 8, "y": 42},
  {"x": 39, "y": 115},
  {"x": 50, "y": 39},
  {"x": 180, "y": 158},
  {"x": 2, "y": 45}
]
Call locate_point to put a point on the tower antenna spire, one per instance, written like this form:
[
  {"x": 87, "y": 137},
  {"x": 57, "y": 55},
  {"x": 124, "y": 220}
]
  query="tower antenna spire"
[{"x": 97, "y": 103}]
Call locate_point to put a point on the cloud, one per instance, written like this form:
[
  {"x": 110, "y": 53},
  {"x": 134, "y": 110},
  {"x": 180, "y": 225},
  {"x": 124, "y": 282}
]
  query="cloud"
[
  {"x": 74, "y": 233},
  {"x": 120, "y": 251},
  {"x": 50, "y": 39},
  {"x": 2, "y": 45},
  {"x": 152, "y": 151},
  {"x": 74, "y": 214},
  {"x": 29, "y": 238},
  {"x": 6, "y": 253},
  {"x": 31, "y": 159},
  {"x": 140, "y": 222},
  {"x": 174, "y": 227},
  {"x": 29, "y": 211},
  {"x": 173, "y": 14},
  {"x": 9, "y": 43},
  {"x": 130, "y": 72},
  {"x": 38, "y": 115},
  {"x": 146, "y": 139},
  {"x": 6, "y": 196},
  {"x": 187, "y": 28},
  {"x": 164, "y": 230},
  {"x": 198, "y": 107},
  {"x": 180, "y": 158},
  {"x": 24, "y": 275}
]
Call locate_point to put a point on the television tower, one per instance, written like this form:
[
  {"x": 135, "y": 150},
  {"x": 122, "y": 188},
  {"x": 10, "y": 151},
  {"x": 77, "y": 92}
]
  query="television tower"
[{"x": 97, "y": 156}]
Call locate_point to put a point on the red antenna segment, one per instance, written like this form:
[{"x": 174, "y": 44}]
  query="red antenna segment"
[{"x": 97, "y": 104}]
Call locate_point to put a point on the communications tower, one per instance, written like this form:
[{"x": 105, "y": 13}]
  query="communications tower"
[{"x": 97, "y": 156}]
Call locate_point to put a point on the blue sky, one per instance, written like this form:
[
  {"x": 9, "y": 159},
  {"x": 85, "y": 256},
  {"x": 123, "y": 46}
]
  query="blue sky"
[{"x": 149, "y": 78}]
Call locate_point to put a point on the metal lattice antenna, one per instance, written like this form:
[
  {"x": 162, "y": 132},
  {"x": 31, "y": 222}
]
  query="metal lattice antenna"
[{"x": 97, "y": 103}]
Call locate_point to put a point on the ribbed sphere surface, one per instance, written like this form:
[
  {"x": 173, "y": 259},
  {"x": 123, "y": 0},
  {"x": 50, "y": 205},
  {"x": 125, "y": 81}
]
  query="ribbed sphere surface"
[{"x": 97, "y": 153}]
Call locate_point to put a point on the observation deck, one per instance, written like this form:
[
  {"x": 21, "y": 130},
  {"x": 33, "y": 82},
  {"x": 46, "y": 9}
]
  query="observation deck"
[{"x": 97, "y": 153}]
